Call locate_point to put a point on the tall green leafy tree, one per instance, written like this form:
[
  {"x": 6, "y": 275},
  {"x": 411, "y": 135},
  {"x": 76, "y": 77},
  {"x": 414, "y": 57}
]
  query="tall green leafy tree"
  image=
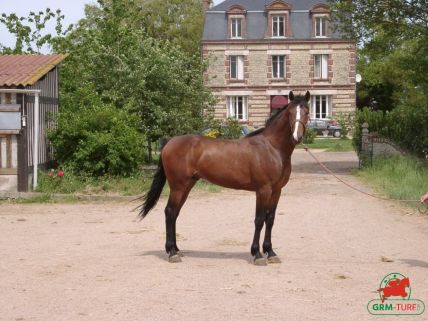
[
  {"x": 30, "y": 32},
  {"x": 133, "y": 65},
  {"x": 112, "y": 57},
  {"x": 393, "y": 48},
  {"x": 362, "y": 19},
  {"x": 178, "y": 21},
  {"x": 393, "y": 59}
]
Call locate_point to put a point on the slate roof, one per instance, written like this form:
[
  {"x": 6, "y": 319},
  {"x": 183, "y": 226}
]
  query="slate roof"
[
  {"x": 26, "y": 70},
  {"x": 260, "y": 5},
  {"x": 216, "y": 27}
]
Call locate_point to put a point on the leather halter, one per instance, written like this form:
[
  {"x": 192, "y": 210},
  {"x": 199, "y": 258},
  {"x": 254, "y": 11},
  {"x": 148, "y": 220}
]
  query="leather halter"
[{"x": 299, "y": 121}]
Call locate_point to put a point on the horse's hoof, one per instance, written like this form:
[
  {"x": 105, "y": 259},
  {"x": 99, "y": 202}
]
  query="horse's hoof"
[
  {"x": 260, "y": 261},
  {"x": 180, "y": 254},
  {"x": 274, "y": 259},
  {"x": 174, "y": 259}
]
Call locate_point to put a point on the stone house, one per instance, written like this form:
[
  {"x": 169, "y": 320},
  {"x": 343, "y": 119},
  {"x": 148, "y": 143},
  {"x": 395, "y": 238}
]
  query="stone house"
[{"x": 259, "y": 50}]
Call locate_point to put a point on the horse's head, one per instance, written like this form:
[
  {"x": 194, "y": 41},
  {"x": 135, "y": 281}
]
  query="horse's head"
[{"x": 298, "y": 110}]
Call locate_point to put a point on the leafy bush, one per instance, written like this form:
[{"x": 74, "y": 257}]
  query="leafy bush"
[
  {"x": 375, "y": 119},
  {"x": 345, "y": 120},
  {"x": 231, "y": 130},
  {"x": 406, "y": 125},
  {"x": 309, "y": 136},
  {"x": 98, "y": 140}
]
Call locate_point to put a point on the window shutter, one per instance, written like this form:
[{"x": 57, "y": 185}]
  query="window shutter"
[
  {"x": 324, "y": 66},
  {"x": 240, "y": 62}
]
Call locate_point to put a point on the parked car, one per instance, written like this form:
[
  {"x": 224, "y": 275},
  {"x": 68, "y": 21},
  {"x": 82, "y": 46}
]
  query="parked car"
[{"x": 325, "y": 127}]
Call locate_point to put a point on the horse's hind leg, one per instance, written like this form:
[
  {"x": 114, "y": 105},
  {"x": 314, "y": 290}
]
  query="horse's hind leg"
[
  {"x": 183, "y": 200},
  {"x": 176, "y": 200},
  {"x": 270, "y": 218}
]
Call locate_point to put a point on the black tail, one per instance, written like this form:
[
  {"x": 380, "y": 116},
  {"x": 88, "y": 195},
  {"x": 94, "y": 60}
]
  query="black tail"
[{"x": 152, "y": 196}]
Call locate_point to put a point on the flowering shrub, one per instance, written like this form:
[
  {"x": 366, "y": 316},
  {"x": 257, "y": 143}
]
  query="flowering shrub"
[{"x": 56, "y": 173}]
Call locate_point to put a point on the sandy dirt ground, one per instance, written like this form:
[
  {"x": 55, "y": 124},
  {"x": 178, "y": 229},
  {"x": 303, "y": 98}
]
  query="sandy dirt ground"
[{"x": 95, "y": 262}]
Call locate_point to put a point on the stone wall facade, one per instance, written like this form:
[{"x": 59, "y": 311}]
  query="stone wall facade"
[{"x": 259, "y": 86}]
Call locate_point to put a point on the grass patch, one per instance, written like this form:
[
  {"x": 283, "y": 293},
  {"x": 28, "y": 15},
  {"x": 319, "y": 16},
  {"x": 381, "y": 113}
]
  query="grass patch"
[
  {"x": 205, "y": 186},
  {"x": 398, "y": 177},
  {"x": 42, "y": 198},
  {"x": 331, "y": 144},
  {"x": 73, "y": 184},
  {"x": 124, "y": 186}
]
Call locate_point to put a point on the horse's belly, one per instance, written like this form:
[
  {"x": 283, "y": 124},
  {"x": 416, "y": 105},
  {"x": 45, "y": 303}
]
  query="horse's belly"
[{"x": 226, "y": 172}]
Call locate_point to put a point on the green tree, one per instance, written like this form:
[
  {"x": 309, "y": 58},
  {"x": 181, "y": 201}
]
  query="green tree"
[
  {"x": 125, "y": 58},
  {"x": 30, "y": 32},
  {"x": 392, "y": 36},
  {"x": 393, "y": 60},
  {"x": 362, "y": 19},
  {"x": 156, "y": 80},
  {"x": 178, "y": 21}
]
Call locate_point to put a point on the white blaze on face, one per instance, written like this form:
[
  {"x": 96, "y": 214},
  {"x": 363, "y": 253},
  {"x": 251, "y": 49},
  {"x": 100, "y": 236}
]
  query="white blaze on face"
[{"x": 296, "y": 125}]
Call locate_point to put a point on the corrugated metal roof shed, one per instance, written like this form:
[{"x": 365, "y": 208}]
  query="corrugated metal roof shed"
[{"x": 26, "y": 70}]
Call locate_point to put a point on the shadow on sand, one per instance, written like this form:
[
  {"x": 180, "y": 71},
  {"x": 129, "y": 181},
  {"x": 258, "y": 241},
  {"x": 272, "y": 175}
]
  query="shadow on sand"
[
  {"x": 244, "y": 256},
  {"x": 415, "y": 263}
]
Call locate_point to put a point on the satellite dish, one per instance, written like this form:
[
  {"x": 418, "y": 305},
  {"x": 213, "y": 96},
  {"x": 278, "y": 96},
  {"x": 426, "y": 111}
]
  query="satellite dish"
[{"x": 358, "y": 78}]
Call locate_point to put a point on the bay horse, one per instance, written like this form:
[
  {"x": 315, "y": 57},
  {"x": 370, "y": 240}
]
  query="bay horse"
[{"x": 259, "y": 162}]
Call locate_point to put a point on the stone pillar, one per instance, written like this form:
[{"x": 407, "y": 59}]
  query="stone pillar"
[{"x": 365, "y": 137}]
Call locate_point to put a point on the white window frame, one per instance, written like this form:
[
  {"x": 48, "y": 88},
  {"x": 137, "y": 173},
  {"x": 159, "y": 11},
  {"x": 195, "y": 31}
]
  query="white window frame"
[
  {"x": 320, "y": 26},
  {"x": 321, "y": 66},
  {"x": 233, "y": 107},
  {"x": 236, "y": 28},
  {"x": 278, "y": 63},
  {"x": 276, "y": 21},
  {"x": 236, "y": 67},
  {"x": 321, "y": 107}
]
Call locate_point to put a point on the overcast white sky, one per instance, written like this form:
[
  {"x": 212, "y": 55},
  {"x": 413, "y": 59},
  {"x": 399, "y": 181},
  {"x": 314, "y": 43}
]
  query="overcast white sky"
[{"x": 73, "y": 10}]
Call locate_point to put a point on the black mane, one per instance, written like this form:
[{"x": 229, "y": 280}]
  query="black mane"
[{"x": 297, "y": 99}]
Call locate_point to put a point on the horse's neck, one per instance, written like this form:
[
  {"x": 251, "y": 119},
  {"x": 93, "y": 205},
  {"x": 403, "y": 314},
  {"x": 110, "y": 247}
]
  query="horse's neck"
[{"x": 280, "y": 136}]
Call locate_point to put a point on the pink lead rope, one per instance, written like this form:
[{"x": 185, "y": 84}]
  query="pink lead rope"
[{"x": 423, "y": 207}]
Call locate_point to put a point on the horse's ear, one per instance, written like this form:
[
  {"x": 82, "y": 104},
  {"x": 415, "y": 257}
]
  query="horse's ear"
[
  {"x": 308, "y": 95},
  {"x": 291, "y": 96}
]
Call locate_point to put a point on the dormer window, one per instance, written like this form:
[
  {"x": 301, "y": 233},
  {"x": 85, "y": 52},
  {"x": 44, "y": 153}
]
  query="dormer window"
[
  {"x": 236, "y": 28},
  {"x": 278, "y": 26},
  {"x": 279, "y": 19},
  {"x": 320, "y": 20},
  {"x": 236, "y": 21},
  {"x": 320, "y": 27}
]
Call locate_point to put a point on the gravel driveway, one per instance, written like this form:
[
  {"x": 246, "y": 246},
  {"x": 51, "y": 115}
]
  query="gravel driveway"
[{"x": 95, "y": 262}]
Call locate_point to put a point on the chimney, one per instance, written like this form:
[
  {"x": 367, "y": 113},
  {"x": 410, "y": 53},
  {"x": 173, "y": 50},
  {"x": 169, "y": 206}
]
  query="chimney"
[{"x": 207, "y": 4}]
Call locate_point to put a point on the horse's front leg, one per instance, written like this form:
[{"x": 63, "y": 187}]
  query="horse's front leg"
[
  {"x": 262, "y": 207},
  {"x": 270, "y": 218}
]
